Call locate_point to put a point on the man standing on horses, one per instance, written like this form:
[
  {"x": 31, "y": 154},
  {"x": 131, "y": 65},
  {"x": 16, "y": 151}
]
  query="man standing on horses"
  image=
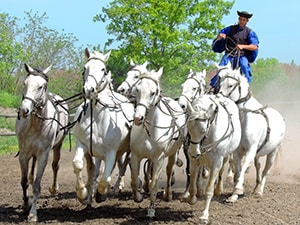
[{"x": 240, "y": 44}]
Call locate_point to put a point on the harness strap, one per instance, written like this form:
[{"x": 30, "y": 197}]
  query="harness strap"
[
  {"x": 212, "y": 145},
  {"x": 261, "y": 111}
]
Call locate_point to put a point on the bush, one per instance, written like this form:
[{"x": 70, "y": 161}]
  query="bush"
[{"x": 9, "y": 101}]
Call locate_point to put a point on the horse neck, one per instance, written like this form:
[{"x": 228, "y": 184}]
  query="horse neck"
[{"x": 252, "y": 103}]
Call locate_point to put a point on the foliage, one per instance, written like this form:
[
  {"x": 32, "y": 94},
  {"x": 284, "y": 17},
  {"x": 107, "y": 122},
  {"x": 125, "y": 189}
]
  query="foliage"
[
  {"x": 37, "y": 45},
  {"x": 176, "y": 35},
  {"x": 10, "y": 51},
  {"x": 9, "y": 100}
]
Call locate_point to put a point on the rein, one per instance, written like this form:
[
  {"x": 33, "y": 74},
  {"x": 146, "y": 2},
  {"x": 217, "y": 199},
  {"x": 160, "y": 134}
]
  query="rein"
[
  {"x": 200, "y": 86},
  {"x": 171, "y": 112},
  {"x": 210, "y": 146}
]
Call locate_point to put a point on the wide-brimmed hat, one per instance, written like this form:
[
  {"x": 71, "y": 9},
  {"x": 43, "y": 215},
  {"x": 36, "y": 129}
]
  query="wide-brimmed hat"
[{"x": 244, "y": 14}]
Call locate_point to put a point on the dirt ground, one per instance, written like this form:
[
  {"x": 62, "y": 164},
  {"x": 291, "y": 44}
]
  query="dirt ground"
[{"x": 279, "y": 205}]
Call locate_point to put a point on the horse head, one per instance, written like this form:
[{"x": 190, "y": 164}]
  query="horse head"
[
  {"x": 202, "y": 114},
  {"x": 232, "y": 83},
  {"x": 193, "y": 87},
  {"x": 95, "y": 72},
  {"x": 132, "y": 77},
  {"x": 35, "y": 90},
  {"x": 147, "y": 91}
]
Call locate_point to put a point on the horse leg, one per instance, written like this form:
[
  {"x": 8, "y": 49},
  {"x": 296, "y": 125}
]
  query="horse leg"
[
  {"x": 55, "y": 167},
  {"x": 259, "y": 189},
  {"x": 36, "y": 187},
  {"x": 81, "y": 191},
  {"x": 239, "y": 179},
  {"x": 257, "y": 164},
  {"x": 168, "y": 190},
  {"x": 104, "y": 182},
  {"x": 194, "y": 175},
  {"x": 203, "y": 174},
  {"x": 148, "y": 169},
  {"x": 91, "y": 177},
  {"x": 219, "y": 186},
  {"x": 187, "y": 169},
  {"x": 23, "y": 160},
  {"x": 97, "y": 163},
  {"x": 31, "y": 173},
  {"x": 230, "y": 174},
  {"x": 135, "y": 182},
  {"x": 157, "y": 167},
  {"x": 122, "y": 165},
  {"x": 210, "y": 190}
]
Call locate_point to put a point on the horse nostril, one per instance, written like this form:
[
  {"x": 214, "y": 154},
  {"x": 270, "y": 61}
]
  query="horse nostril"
[{"x": 183, "y": 106}]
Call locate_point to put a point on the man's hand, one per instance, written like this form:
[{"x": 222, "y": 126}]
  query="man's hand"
[
  {"x": 240, "y": 47},
  {"x": 221, "y": 36}
]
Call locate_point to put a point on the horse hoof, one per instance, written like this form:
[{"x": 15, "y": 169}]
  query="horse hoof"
[
  {"x": 232, "y": 199},
  {"x": 138, "y": 197},
  {"x": 192, "y": 200},
  {"x": 53, "y": 190},
  {"x": 32, "y": 218},
  {"x": 100, "y": 198},
  {"x": 167, "y": 197},
  {"x": 184, "y": 196},
  {"x": 204, "y": 219}
]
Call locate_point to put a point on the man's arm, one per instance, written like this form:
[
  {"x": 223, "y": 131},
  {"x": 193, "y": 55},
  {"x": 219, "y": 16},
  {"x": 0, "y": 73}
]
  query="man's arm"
[{"x": 250, "y": 47}]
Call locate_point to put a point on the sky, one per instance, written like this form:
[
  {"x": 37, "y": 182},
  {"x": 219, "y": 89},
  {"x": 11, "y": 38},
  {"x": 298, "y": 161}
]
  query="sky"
[{"x": 275, "y": 22}]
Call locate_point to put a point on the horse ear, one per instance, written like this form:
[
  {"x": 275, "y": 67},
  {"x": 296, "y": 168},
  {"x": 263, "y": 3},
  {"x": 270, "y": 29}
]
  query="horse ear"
[
  {"x": 132, "y": 63},
  {"x": 145, "y": 64},
  {"x": 106, "y": 56},
  {"x": 28, "y": 68},
  {"x": 87, "y": 52},
  {"x": 159, "y": 72},
  {"x": 189, "y": 108},
  {"x": 217, "y": 66},
  {"x": 45, "y": 71},
  {"x": 210, "y": 110},
  {"x": 228, "y": 65},
  {"x": 108, "y": 75}
]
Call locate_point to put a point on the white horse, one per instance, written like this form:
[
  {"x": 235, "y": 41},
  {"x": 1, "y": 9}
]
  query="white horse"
[
  {"x": 263, "y": 130},
  {"x": 39, "y": 130},
  {"x": 193, "y": 87},
  {"x": 125, "y": 88},
  {"x": 215, "y": 130},
  {"x": 103, "y": 130},
  {"x": 132, "y": 77},
  {"x": 158, "y": 133}
]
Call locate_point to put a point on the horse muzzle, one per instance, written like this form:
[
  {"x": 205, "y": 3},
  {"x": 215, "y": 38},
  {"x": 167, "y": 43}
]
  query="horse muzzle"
[
  {"x": 138, "y": 121},
  {"x": 24, "y": 113}
]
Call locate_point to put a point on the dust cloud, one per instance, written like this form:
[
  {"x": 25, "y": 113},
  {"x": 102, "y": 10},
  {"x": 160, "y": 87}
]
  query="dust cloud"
[{"x": 286, "y": 100}]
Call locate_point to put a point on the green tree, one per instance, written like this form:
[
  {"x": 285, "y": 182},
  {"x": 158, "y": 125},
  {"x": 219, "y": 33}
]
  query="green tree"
[
  {"x": 10, "y": 51},
  {"x": 43, "y": 46},
  {"x": 172, "y": 34}
]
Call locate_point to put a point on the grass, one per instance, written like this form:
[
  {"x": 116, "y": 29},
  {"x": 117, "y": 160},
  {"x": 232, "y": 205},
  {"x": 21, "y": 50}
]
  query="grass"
[{"x": 9, "y": 144}]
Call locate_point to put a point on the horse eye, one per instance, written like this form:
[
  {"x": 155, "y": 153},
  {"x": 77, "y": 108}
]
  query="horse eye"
[
  {"x": 194, "y": 89},
  {"x": 152, "y": 94},
  {"x": 136, "y": 76},
  {"x": 40, "y": 88}
]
